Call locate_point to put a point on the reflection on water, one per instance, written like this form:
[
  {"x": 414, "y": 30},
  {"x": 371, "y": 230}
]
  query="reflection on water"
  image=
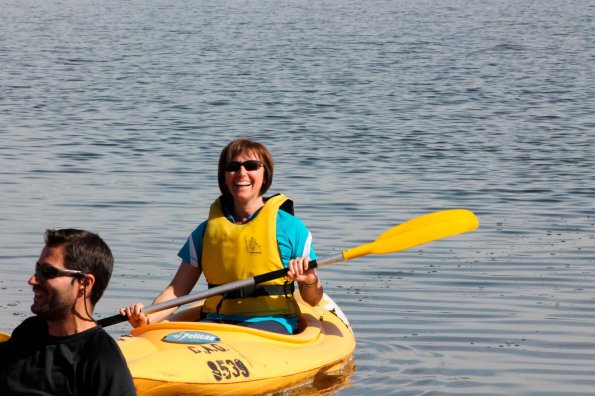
[
  {"x": 376, "y": 113},
  {"x": 327, "y": 383}
]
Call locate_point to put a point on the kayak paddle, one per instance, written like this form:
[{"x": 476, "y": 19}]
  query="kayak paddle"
[{"x": 412, "y": 233}]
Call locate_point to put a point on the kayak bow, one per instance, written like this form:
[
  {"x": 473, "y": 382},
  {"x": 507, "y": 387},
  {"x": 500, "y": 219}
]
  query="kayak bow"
[{"x": 181, "y": 356}]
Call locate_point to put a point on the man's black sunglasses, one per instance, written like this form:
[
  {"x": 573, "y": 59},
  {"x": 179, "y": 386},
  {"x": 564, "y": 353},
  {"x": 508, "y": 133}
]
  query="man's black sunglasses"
[
  {"x": 50, "y": 272},
  {"x": 250, "y": 165}
]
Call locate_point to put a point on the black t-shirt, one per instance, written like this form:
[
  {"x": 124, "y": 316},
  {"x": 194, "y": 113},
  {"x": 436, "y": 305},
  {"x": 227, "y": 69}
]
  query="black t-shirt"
[{"x": 89, "y": 363}]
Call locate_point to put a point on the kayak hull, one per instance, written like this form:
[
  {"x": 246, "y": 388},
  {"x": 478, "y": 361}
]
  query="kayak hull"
[{"x": 184, "y": 357}]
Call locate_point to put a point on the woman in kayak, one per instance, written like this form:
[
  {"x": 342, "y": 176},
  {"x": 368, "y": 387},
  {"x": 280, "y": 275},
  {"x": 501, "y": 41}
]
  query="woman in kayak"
[{"x": 245, "y": 235}]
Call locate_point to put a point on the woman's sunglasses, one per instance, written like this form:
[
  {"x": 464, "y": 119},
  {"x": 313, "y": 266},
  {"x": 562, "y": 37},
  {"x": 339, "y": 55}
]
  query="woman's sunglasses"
[
  {"x": 250, "y": 165},
  {"x": 50, "y": 272}
]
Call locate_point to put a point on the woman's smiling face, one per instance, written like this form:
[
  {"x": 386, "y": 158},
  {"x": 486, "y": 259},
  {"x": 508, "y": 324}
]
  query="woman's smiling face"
[{"x": 245, "y": 185}]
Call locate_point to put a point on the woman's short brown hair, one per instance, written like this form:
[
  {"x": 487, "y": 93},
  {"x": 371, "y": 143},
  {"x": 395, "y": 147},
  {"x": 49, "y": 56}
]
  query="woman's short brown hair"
[{"x": 242, "y": 146}]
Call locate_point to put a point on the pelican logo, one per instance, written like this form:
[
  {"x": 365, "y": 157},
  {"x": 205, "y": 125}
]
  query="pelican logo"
[
  {"x": 191, "y": 337},
  {"x": 252, "y": 247}
]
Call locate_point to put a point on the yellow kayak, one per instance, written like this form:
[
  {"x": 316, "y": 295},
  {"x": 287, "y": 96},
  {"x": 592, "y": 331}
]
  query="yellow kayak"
[{"x": 181, "y": 356}]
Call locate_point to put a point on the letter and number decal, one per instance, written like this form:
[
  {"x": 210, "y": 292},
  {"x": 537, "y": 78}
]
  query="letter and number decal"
[
  {"x": 208, "y": 344},
  {"x": 228, "y": 369}
]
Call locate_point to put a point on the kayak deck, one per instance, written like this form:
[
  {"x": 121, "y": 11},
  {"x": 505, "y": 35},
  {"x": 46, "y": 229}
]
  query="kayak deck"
[{"x": 181, "y": 356}]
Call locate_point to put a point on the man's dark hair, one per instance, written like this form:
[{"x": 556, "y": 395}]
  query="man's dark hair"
[{"x": 87, "y": 252}]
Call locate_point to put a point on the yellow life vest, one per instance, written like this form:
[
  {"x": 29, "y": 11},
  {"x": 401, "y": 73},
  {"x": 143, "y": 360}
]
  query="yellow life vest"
[{"x": 238, "y": 251}]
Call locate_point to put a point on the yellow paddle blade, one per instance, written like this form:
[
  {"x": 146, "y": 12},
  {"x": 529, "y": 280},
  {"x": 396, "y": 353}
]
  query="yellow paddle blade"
[
  {"x": 4, "y": 337},
  {"x": 418, "y": 231},
  {"x": 443, "y": 216}
]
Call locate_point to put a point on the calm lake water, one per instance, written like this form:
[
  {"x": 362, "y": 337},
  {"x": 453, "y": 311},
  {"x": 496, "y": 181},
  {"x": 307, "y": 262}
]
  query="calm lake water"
[{"x": 112, "y": 116}]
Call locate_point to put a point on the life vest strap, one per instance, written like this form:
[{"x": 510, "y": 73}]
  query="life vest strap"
[{"x": 286, "y": 289}]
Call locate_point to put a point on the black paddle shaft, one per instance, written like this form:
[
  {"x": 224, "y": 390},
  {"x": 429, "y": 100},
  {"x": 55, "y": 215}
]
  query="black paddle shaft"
[{"x": 256, "y": 280}]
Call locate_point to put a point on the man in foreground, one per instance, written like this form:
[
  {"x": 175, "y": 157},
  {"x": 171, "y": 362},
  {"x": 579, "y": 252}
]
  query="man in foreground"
[{"x": 61, "y": 350}]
